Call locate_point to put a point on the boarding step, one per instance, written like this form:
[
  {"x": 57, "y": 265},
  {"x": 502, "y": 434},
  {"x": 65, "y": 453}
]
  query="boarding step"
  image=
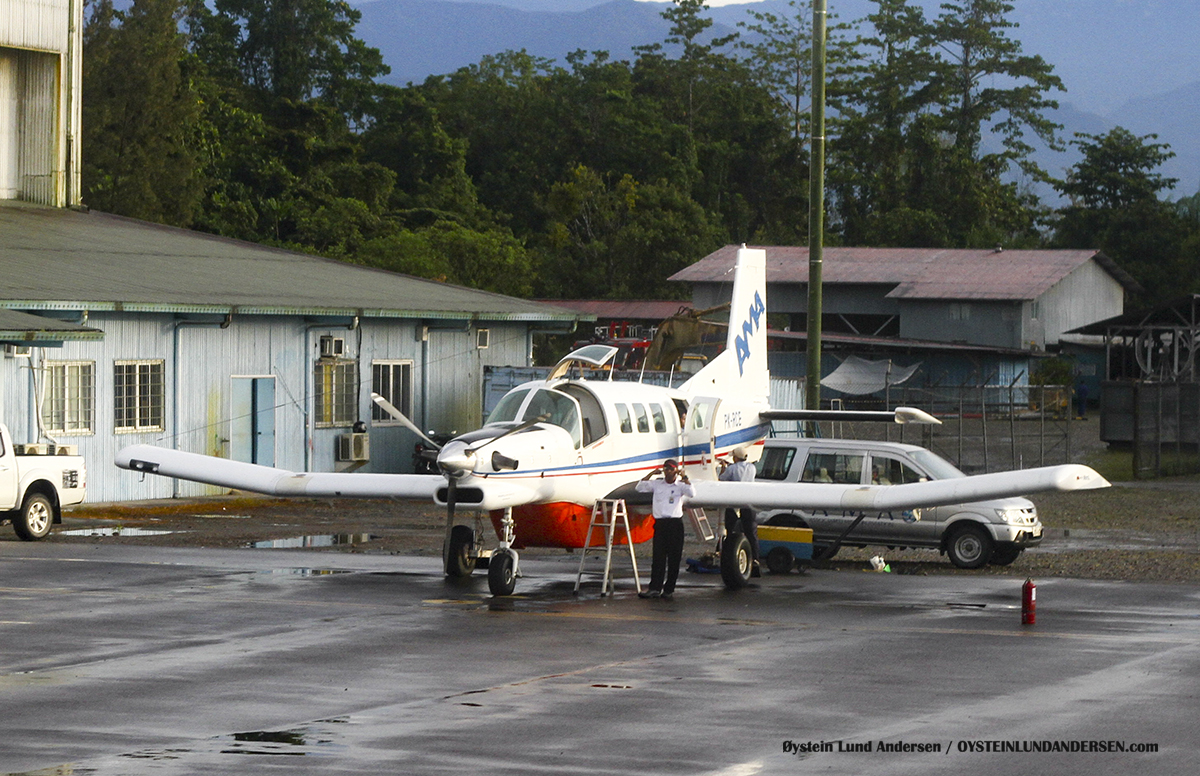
[{"x": 700, "y": 524}]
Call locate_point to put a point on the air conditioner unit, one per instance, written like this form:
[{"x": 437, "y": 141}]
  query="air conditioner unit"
[
  {"x": 16, "y": 351},
  {"x": 32, "y": 449},
  {"x": 332, "y": 347},
  {"x": 354, "y": 447}
]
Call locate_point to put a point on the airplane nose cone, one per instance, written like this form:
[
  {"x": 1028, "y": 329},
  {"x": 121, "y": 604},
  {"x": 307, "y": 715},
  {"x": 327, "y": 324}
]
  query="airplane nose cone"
[{"x": 456, "y": 458}]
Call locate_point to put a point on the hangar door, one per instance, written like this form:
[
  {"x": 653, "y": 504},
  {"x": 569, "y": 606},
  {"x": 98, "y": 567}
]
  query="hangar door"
[
  {"x": 252, "y": 436},
  {"x": 453, "y": 391}
]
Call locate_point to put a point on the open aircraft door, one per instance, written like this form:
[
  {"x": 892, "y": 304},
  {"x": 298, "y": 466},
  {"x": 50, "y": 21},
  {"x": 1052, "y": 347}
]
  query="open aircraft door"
[{"x": 699, "y": 438}]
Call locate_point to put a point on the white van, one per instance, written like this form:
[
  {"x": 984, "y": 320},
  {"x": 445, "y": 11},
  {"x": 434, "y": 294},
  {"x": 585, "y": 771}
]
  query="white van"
[{"x": 973, "y": 535}]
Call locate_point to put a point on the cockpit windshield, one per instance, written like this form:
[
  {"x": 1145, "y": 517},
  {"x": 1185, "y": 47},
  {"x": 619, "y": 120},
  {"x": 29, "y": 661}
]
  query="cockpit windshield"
[
  {"x": 562, "y": 409},
  {"x": 506, "y": 411}
]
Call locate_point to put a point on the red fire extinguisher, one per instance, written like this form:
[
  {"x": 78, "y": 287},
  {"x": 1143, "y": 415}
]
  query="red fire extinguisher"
[{"x": 1028, "y": 603}]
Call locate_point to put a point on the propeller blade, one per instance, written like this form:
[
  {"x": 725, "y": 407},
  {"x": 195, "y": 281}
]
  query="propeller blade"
[
  {"x": 451, "y": 499},
  {"x": 527, "y": 424},
  {"x": 390, "y": 409}
]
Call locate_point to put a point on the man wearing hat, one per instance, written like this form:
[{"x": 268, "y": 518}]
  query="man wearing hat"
[
  {"x": 669, "y": 495},
  {"x": 741, "y": 470}
]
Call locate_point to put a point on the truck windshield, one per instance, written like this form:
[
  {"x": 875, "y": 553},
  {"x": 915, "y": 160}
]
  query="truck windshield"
[{"x": 939, "y": 468}]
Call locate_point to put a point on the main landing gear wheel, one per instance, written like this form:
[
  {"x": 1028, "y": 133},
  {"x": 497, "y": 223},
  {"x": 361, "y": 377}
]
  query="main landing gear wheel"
[
  {"x": 969, "y": 547},
  {"x": 736, "y": 561},
  {"x": 502, "y": 573},
  {"x": 780, "y": 560},
  {"x": 34, "y": 520},
  {"x": 459, "y": 562}
]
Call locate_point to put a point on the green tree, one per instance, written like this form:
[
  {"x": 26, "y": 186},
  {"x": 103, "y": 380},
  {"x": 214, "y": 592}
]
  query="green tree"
[
  {"x": 911, "y": 163},
  {"x": 492, "y": 260},
  {"x": 293, "y": 50},
  {"x": 1114, "y": 205},
  {"x": 618, "y": 238},
  {"x": 986, "y": 83},
  {"x": 141, "y": 114}
]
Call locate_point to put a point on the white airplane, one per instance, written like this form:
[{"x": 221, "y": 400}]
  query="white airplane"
[{"x": 552, "y": 448}]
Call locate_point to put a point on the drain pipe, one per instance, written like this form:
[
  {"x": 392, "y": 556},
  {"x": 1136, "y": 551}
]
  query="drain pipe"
[{"x": 175, "y": 380}]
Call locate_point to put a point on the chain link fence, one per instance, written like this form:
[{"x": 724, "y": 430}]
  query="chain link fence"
[
  {"x": 985, "y": 427},
  {"x": 1166, "y": 428}
]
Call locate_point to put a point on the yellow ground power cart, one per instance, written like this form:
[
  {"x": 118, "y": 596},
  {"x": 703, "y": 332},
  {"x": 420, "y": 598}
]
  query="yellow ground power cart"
[{"x": 783, "y": 548}]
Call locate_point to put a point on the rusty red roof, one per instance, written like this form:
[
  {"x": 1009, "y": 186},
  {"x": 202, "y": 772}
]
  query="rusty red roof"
[
  {"x": 918, "y": 273},
  {"x": 624, "y": 309}
]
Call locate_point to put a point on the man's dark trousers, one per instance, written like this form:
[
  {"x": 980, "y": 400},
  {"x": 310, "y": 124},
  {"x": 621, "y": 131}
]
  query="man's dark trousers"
[{"x": 668, "y": 551}]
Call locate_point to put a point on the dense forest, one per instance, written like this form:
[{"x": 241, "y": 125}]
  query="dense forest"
[{"x": 266, "y": 120}]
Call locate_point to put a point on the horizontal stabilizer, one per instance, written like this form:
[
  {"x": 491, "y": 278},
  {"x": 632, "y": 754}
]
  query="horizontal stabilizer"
[
  {"x": 899, "y": 415},
  {"x": 882, "y": 498},
  {"x": 276, "y": 482}
]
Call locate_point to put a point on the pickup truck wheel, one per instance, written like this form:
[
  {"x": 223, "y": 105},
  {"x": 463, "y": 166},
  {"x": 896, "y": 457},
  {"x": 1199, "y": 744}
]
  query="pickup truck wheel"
[
  {"x": 35, "y": 518},
  {"x": 969, "y": 547},
  {"x": 1005, "y": 554}
]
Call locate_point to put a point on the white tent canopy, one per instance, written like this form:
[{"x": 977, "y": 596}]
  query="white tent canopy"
[{"x": 859, "y": 376}]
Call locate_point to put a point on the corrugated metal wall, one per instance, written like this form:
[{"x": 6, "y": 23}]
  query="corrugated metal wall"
[
  {"x": 35, "y": 24},
  {"x": 202, "y": 360},
  {"x": 40, "y": 73}
]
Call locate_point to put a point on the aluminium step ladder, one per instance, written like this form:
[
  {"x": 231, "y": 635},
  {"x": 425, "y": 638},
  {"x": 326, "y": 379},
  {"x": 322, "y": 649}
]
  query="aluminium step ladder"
[
  {"x": 611, "y": 516},
  {"x": 700, "y": 524}
]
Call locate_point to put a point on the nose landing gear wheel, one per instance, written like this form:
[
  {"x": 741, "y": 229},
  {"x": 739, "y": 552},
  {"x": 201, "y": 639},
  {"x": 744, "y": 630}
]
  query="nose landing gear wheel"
[{"x": 502, "y": 574}]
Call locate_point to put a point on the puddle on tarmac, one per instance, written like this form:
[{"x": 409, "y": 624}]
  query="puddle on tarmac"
[
  {"x": 318, "y": 739},
  {"x": 302, "y": 572},
  {"x": 321, "y": 540},
  {"x": 114, "y": 531}
]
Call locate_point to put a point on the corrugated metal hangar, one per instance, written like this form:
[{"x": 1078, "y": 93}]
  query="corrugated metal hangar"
[{"x": 223, "y": 347}]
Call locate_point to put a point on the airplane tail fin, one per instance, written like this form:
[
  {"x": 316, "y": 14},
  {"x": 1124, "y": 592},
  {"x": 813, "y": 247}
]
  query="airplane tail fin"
[{"x": 741, "y": 369}]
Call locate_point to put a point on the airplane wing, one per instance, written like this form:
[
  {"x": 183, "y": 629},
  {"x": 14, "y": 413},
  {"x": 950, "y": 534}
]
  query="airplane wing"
[
  {"x": 881, "y": 498},
  {"x": 276, "y": 482},
  {"x": 899, "y": 415}
]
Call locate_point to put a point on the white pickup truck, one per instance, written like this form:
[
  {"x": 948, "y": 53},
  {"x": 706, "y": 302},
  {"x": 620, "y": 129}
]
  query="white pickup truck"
[{"x": 36, "y": 482}]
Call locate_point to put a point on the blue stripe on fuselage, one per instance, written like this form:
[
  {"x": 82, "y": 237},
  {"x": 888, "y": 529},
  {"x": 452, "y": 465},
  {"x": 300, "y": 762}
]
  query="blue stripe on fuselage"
[{"x": 732, "y": 439}]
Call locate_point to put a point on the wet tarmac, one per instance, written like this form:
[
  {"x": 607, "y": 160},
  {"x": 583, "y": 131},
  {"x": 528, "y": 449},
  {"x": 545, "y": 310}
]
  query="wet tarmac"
[{"x": 122, "y": 661}]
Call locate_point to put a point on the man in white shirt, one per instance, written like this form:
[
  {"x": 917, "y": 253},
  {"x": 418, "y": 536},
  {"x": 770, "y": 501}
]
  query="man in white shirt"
[
  {"x": 669, "y": 495},
  {"x": 741, "y": 470}
]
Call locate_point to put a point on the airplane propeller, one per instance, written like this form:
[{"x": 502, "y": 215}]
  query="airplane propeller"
[
  {"x": 456, "y": 463},
  {"x": 390, "y": 409},
  {"x": 457, "y": 459}
]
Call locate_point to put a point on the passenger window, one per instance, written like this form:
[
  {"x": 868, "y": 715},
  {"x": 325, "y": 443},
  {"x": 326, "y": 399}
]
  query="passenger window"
[
  {"x": 775, "y": 463},
  {"x": 660, "y": 420},
  {"x": 642, "y": 418},
  {"x": 623, "y": 416},
  {"x": 841, "y": 468},
  {"x": 892, "y": 471},
  {"x": 700, "y": 416}
]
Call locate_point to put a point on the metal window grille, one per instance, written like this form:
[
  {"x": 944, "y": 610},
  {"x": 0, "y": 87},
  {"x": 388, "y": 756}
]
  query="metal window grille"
[
  {"x": 335, "y": 392},
  {"x": 138, "y": 396},
  {"x": 393, "y": 381},
  {"x": 67, "y": 405}
]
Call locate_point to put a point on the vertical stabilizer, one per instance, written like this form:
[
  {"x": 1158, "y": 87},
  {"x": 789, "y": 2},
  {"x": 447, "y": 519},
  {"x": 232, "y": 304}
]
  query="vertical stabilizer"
[{"x": 741, "y": 369}]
